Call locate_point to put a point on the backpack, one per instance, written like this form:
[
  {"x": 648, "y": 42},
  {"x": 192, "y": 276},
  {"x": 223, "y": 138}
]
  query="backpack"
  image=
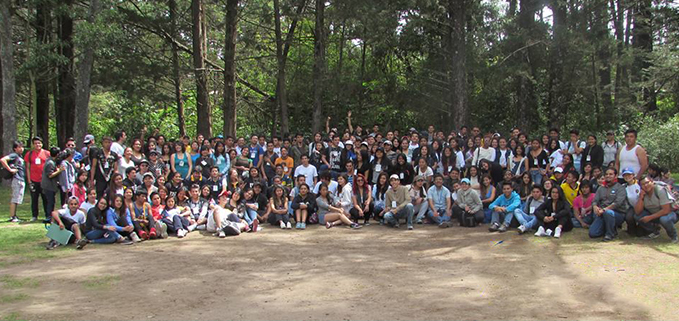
[
  {"x": 467, "y": 219},
  {"x": 5, "y": 174}
]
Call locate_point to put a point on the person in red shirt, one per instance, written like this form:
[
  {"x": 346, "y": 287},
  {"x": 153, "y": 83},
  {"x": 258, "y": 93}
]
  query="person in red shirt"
[{"x": 35, "y": 160}]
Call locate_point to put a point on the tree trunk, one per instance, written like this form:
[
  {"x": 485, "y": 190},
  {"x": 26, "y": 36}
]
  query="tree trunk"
[
  {"x": 229, "y": 108},
  {"x": 176, "y": 76},
  {"x": 557, "y": 91},
  {"x": 65, "y": 100},
  {"x": 204, "y": 121},
  {"x": 643, "y": 43},
  {"x": 43, "y": 33},
  {"x": 82, "y": 110},
  {"x": 603, "y": 54},
  {"x": 621, "y": 86},
  {"x": 319, "y": 66},
  {"x": 8, "y": 96},
  {"x": 458, "y": 69}
]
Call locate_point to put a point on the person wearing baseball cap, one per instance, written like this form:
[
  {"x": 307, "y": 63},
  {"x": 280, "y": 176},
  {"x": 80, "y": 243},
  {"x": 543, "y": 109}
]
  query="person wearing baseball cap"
[
  {"x": 397, "y": 204},
  {"x": 468, "y": 203},
  {"x": 633, "y": 190}
]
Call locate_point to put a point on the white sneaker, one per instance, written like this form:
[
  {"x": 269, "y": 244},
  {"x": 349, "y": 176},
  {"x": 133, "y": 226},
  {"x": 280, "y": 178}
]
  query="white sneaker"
[
  {"x": 192, "y": 227},
  {"x": 288, "y": 226},
  {"x": 540, "y": 232},
  {"x": 135, "y": 238},
  {"x": 282, "y": 225},
  {"x": 522, "y": 229},
  {"x": 548, "y": 232},
  {"x": 181, "y": 233},
  {"x": 259, "y": 228},
  {"x": 222, "y": 234},
  {"x": 557, "y": 232}
]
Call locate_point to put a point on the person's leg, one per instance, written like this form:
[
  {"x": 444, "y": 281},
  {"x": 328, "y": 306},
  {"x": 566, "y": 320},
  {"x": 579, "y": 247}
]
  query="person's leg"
[
  {"x": 408, "y": 212},
  {"x": 457, "y": 213},
  {"x": 435, "y": 219},
  {"x": 487, "y": 215},
  {"x": 536, "y": 177},
  {"x": 597, "y": 228},
  {"x": 644, "y": 228},
  {"x": 612, "y": 220},
  {"x": 667, "y": 222},
  {"x": 565, "y": 224},
  {"x": 35, "y": 197},
  {"x": 172, "y": 225},
  {"x": 390, "y": 218},
  {"x": 520, "y": 216},
  {"x": 444, "y": 217},
  {"x": 632, "y": 226},
  {"x": 303, "y": 215},
  {"x": 49, "y": 208},
  {"x": 508, "y": 216},
  {"x": 353, "y": 212},
  {"x": 480, "y": 216},
  {"x": 421, "y": 211},
  {"x": 298, "y": 216},
  {"x": 250, "y": 215}
]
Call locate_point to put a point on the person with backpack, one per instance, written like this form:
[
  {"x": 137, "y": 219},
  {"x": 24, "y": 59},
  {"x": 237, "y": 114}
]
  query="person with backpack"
[
  {"x": 15, "y": 166},
  {"x": 575, "y": 147},
  {"x": 50, "y": 180},
  {"x": 655, "y": 206},
  {"x": 611, "y": 148}
]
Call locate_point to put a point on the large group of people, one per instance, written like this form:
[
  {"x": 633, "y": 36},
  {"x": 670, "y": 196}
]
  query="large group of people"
[{"x": 126, "y": 190}]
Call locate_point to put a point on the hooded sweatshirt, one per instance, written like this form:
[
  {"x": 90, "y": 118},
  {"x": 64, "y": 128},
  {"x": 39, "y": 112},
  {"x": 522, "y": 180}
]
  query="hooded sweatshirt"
[
  {"x": 469, "y": 198},
  {"x": 510, "y": 203}
]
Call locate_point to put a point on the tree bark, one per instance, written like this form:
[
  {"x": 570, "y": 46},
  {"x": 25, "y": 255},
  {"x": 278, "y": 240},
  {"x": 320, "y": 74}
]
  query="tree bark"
[
  {"x": 43, "y": 32},
  {"x": 621, "y": 93},
  {"x": 556, "y": 99},
  {"x": 176, "y": 76},
  {"x": 229, "y": 107},
  {"x": 642, "y": 41},
  {"x": 65, "y": 100},
  {"x": 82, "y": 103},
  {"x": 319, "y": 66},
  {"x": 204, "y": 121},
  {"x": 8, "y": 97},
  {"x": 603, "y": 54},
  {"x": 458, "y": 69}
]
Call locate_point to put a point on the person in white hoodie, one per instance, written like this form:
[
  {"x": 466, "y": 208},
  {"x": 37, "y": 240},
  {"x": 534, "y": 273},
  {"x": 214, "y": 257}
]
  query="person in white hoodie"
[{"x": 484, "y": 151}]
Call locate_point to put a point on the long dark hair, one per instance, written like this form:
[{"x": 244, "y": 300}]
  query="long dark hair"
[
  {"x": 448, "y": 161},
  {"x": 120, "y": 211},
  {"x": 381, "y": 189}
]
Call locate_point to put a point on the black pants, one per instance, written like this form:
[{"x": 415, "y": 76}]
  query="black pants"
[
  {"x": 633, "y": 228},
  {"x": 282, "y": 217},
  {"x": 36, "y": 192},
  {"x": 458, "y": 211},
  {"x": 100, "y": 184},
  {"x": 366, "y": 215},
  {"x": 51, "y": 202}
]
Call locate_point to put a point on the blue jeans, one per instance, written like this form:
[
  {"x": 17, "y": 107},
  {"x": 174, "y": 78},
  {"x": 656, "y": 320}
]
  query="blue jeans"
[
  {"x": 536, "y": 176},
  {"x": 487, "y": 215},
  {"x": 250, "y": 215},
  {"x": 588, "y": 219},
  {"x": 667, "y": 222},
  {"x": 527, "y": 220},
  {"x": 406, "y": 212},
  {"x": 442, "y": 218},
  {"x": 606, "y": 224},
  {"x": 102, "y": 237},
  {"x": 495, "y": 217}
]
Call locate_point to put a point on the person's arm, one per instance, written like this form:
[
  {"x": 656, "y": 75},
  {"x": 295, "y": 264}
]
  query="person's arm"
[
  {"x": 190, "y": 161},
  {"x": 354, "y": 201},
  {"x": 111, "y": 220},
  {"x": 643, "y": 161},
  {"x": 664, "y": 210},
  {"x": 56, "y": 172},
  {"x": 565, "y": 211},
  {"x": 172, "y": 157},
  {"x": 327, "y": 125},
  {"x": 27, "y": 160},
  {"x": 295, "y": 202},
  {"x": 57, "y": 219},
  {"x": 430, "y": 201},
  {"x": 493, "y": 204},
  {"x": 351, "y": 129},
  {"x": 617, "y": 159},
  {"x": 4, "y": 163},
  {"x": 639, "y": 207},
  {"x": 516, "y": 202},
  {"x": 540, "y": 211}
]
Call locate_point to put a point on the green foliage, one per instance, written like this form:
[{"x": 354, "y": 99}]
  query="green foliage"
[{"x": 659, "y": 138}]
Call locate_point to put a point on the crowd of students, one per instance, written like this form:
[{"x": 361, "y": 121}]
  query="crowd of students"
[{"x": 112, "y": 193}]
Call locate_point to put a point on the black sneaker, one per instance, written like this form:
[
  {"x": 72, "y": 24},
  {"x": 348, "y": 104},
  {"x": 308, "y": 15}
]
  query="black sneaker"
[
  {"x": 653, "y": 235},
  {"x": 608, "y": 238},
  {"x": 493, "y": 227},
  {"x": 81, "y": 243},
  {"x": 52, "y": 245}
]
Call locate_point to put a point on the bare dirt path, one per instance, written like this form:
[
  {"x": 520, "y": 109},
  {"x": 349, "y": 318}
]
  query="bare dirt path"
[{"x": 373, "y": 273}]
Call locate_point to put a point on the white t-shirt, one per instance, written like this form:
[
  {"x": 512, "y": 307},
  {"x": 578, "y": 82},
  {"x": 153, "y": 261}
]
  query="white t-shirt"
[
  {"x": 85, "y": 206},
  {"x": 483, "y": 153},
  {"x": 332, "y": 187},
  {"x": 633, "y": 193},
  {"x": 309, "y": 173},
  {"x": 78, "y": 217},
  {"x": 118, "y": 149},
  {"x": 123, "y": 165},
  {"x": 426, "y": 174},
  {"x": 557, "y": 158}
]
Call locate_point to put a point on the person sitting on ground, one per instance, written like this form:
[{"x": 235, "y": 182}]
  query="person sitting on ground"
[
  {"x": 468, "y": 201},
  {"x": 96, "y": 229},
  {"x": 199, "y": 209},
  {"x": 379, "y": 195},
  {"x": 398, "y": 204},
  {"x": 439, "y": 202},
  {"x": 418, "y": 197},
  {"x": 225, "y": 222},
  {"x": 118, "y": 216},
  {"x": 571, "y": 186},
  {"x": 526, "y": 216},
  {"x": 304, "y": 205},
  {"x": 329, "y": 212},
  {"x": 279, "y": 207},
  {"x": 362, "y": 200},
  {"x": 655, "y": 207},
  {"x": 582, "y": 206},
  {"x": 503, "y": 208},
  {"x": 554, "y": 215},
  {"x": 143, "y": 221},
  {"x": 70, "y": 218},
  {"x": 609, "y": 206},
  {"x": 173, "y": 216}
]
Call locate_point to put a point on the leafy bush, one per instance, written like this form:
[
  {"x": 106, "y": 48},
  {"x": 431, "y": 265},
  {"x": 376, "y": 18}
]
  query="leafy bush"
[{"x": 661, "y": 140}]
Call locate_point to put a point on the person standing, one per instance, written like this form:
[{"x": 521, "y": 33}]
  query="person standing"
[
  {"x": 35, "y": 161},
  {"x": 50, "y": 179},
  {"x": 18, "y": 170},
  {"x": 118, "y": 146},
  {"x": 632, "y": 155},
  {"x": 611, "y": 148},
  {"x": 593, "y": 154},
  {"x": 104, "y": 164}
]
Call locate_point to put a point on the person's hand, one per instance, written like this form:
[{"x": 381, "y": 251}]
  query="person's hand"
[
  {"x": 366, "y": 208},
  {"x": 61, "y": 226},
  {"x": 144, "y": 129},
  {"x": 128, "y": 228},
  {"x": 13, "y": 171},
  {"x": 467, "y": 209},
  {"x": 360, "y": 213},
  {"x": 111, "y": 228},
  {"x": 642, "y": 194},
  {"x": 328, "y": 118},
  {"x": 584, "y": 225},
  {"x": 645, "y": 219},
  {"x": 31, "y": 187},
  {"x": 349, "y": 114},
  {"x": 436, "y": 213}
]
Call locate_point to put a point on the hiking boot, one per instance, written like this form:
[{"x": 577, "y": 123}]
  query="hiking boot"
[
  {"x": 143, "y": 235},
  {"x": 80, "y": 244},
  {"x": 444, "y": 225},
  {"x": 502, "y": 229}
]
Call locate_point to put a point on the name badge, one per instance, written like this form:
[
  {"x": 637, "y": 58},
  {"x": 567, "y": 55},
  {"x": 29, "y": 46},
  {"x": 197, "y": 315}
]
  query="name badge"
[
  {"x": 553, "y": 214},
  {"x": 589, "y": 158},
  {"x": 393, "y": 203},
  {"x": 219, "y": 161},
  {"x": 106, "y": 164},
  {"x": 87, "y": 168},
  {"x": 204, "y": 163},
  {"x": 252, "y": 154},
  {"x": 215, "y": 188},
  {"x": 535, "y": 162},
  {"x": 355, "y": 171},
  {"x": 285, "y": 169},
  {"x": 531, "y": 210},
  {"x": 378, "y": 167},
  {"x": 400, "y": 176},
  {"x": 450, "y": 169},
  {"x": 38, "y": 161},
  {"x": 181, "y": 163}
]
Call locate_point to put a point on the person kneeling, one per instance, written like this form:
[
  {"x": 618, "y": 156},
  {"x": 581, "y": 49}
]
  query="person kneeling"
[
  {"x": 554, "y": 215},
  {"x": 398, "y": 204}
]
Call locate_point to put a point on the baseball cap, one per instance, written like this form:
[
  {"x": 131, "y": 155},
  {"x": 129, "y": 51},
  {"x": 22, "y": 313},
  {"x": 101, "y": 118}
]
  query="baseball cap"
[
  {"x": 418, "y": 178},
  {"x": 153, "y": 151},
  {"x": 627, "y": 170},
  {"x": 225, "y": 193},
  {"x": 147, "y": 174},
  {"x": 465, "y": 181},
  {"x": 349, "y": 143},
  {"x": 88, "y": 139},
  {"x": 558, "y": 170},
  {"x": 388, "y": 142},
  {"x": 394, "y": 176}
]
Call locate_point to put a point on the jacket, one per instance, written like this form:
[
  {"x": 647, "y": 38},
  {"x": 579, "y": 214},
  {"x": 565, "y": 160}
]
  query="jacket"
[
  {"x": 469, "y": 198},
  {"x": 511, "y": 203},
  {"x": 607, "y": 195}
]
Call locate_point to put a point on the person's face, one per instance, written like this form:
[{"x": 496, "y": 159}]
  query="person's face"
[
  {"x": 477, "y": 141},
  {"x": 360, "y": 181},
  {"x": 629, "y": 178},
  {"x": 394, "y": 182},
  {"x": 245, "y": 152},
  {"x": 601, "y": 179},
  {"x": 547, "y": 185},
  {"x": 341, "y": 180},
  {"x": 553, "y": 134},
  {"x": 279, "y": 170},
  {"x": 194, "y": 193},
  {"x": 588, "y": 168},
  {"x": 279, "y": 192},
  {"x": 383, "y": 180},
  {"x": 476, "y": 131},
  {"x": 253, "y": 140},
  {"x": 106, "y": 144},
  {"x": 585, "y": 190},
  {"x": 102, "y": 204},
  {"x": 485, "y": 166},
  {"x": 170, "y": 202},
  {"x": 177, "y": 178},
  {"x": 515, "y": 132},
  {"x": 610, "y": 176},
  {"x": 438, "y": 182},
  {"x": 536, "y": 193},
  {"x": 284, "y": 152},
  {"x": 148, "y": 180},
  {"x": 422, "y": 163},
  {"x": 161, "y": 180},
  {"x": 508, "y": 176},
  {"x": 596, "y": 172},
  {"x": 503, "y": 143},
  {"x": 137, "y": 145},
  {"x": 390, "y": 136},
  {"x": 473, "y": 171},
  {"x": 119, "y": 180},
  {"x": 323, "y": 191},
  {"x": 194, "y": 147},
  {"x": 486, "y": 181},
  {"x": 128, "y": 194},
  {"x": 570, "y": 179},
  {"x": 555, "y": 194},
  {"x": 507, "y": 190},
  {"x": 464, "y": 186},
  {"x": 118, "y": 202},
  {"x": 70, "y": 144},
  {"x": 558, "y": 176},
  {"x": 262, "y": 140},
  {"x": 300, "y": 180},
  {"x": 455, "y": 174},
  {"x": 610, "y": 137},
  {"x": 647, "y": 186},
  {"x": 414, "y": 138},
  {"x": 131, "y": 175},
  {"x": 178, "y": 148},
  {"x": 303, "y": 190},
  {"x": 535, "y": 145},
  {"x": 401, "y": 160},
  {"x": 214, "y": 173},
  {"x": 92, "y": 195},
  {"x": 566, "y": 160},
  {"x": 123, "y": 136},
  {"x": 574, "y": 137},
  {"x": 591, "y": 141},
  {"x": 630, "y": 139},
  {"x": 269, "y": 147}
]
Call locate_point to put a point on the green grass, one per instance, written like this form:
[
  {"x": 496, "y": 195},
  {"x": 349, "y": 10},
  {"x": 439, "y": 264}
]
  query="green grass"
[
  {"x": 12, "y": 282},
  {"x": 11, "y": 317},
  {"x": 11, "y": 298},
  {"x": 103, "y": 282},
  {"x": 23, "y": 242}
]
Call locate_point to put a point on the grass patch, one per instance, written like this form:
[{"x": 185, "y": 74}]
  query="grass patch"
[
  {"x": 101, "y": 282},
  {"x": 12, "y": 282},
  {"x": 13, "y": 316},
  {"x": 11, "y": 298},
  {"x": 23, "y": 242}
]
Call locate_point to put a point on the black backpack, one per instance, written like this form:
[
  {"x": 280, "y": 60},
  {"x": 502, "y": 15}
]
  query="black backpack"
[
  {"x": 5, "y": 174},
  {"x": 467, "y": 219}
]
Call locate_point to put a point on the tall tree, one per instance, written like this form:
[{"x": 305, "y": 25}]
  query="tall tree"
[
  {"x": 282, "y": 49},
  {"x": 204, "y": 125},
  {"x": 621, "y": 94},
  {"x": 457, "y": 19},
  {"x": 642, "y": 42},
  {"x": 557, "y": 100},
  {"x": 230, "y": 32},
  {"x": 8, "y": 96},
  {"x": 603, "y": 54},
  {"x": 43, "y": 32},
  {"x": 176, "y": 76},
  {"x": 83, "y": 86},
  {"x": 319, "y": 65},
  {"x": 65, "y": 100}
]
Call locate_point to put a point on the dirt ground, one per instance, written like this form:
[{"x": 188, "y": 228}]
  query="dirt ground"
[{"x": 372, "y": 273}]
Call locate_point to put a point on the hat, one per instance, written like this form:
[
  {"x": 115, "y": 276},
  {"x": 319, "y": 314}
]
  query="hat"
[
  {"x": 412, "y": 129},
  {"x": 144, "y": 161},
  {"x": 364, "y": 144},
  {"x": 388, "y": 142},
  {"x": 394, "y": 176},
  {"x": 147, "y": 174},
  {"x": 418, "y": 178},
  {"x": 627, "y": 170},
  {"x": 349, "y": 143},
  {"x": 465, "y": 181},
  {"x": 88, "y": 139},
  {"x": 558, "y": 170},
  {"x": 153, "y": 151}
]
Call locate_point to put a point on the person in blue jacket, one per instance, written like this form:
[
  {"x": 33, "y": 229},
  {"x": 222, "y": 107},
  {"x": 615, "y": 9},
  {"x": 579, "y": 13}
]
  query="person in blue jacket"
[
  {"x": 118, "y": 216},
  {"x": 504, "y": 206}
]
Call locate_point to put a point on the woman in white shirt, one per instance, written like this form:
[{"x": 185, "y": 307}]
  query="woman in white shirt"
[
  {"x": 425, "y": 171},
  {"x": 125, "y": 161},
  {"x": 345, "y": 193}
]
